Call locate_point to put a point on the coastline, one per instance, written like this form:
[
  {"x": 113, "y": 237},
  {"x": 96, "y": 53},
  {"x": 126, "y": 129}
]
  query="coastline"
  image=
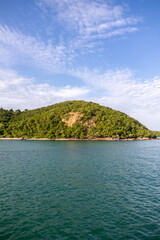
[{"x": 76, "y": 139}]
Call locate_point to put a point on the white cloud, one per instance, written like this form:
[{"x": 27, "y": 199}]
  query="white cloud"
[
  {"x": 91, "y": 19},
  {"x": 20, "y": 47},
  {"x": 6, "y": 56},
  {"x": 71, "y": 92},
  {"x": 84, "y": 24},
  {"x": 21, "y": 92}
]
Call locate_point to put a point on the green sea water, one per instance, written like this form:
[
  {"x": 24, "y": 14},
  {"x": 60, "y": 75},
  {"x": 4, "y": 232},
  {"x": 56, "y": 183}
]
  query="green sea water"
[{"x": 79, "y": 190}]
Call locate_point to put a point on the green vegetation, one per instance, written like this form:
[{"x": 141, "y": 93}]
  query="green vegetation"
[
  {"x": 157, "y": 133},
  {"x": 71, "y": 119}
]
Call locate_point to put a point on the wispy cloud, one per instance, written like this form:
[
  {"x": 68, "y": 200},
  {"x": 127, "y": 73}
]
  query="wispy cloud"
[
  {"x": 91, "y": 19},
  {"x": 23, "y": 48},
  {"x": 84, "y": 25},
  {"x": 22, "y": 92}
]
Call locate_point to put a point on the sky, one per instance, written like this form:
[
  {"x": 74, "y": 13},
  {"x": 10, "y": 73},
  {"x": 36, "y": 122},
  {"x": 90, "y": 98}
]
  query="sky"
[{"x": 104, "y": 51}]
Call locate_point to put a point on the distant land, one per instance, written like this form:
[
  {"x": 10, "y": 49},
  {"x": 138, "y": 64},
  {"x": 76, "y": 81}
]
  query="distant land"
[{"x": 72, "y": 120}]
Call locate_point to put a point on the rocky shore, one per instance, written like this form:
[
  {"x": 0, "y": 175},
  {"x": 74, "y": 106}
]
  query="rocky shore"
[{"x": 75, "y": 139}]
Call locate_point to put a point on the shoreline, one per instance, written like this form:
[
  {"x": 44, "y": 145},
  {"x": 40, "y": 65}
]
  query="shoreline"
[{"x": 76, "y": 139}]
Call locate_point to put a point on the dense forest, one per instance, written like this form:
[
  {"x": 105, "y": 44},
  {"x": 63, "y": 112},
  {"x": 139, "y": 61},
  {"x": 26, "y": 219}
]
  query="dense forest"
[
  {"x": 157, "y": 133},
  {"x": 71, "y": 119}
]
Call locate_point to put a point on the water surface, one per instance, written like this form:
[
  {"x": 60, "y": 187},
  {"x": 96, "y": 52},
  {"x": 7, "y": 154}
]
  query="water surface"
[{"x": 79, "y": 190}]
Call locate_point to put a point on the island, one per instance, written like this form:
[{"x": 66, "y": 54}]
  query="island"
[{"x": 71, "y": 120}]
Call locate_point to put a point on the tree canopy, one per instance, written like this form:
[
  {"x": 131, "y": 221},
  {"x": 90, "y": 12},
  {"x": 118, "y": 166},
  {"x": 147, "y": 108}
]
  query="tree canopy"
[{"x": 71, "y": 119}]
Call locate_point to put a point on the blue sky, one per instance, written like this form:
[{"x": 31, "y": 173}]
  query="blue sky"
[{"x": 105, "y": 51}]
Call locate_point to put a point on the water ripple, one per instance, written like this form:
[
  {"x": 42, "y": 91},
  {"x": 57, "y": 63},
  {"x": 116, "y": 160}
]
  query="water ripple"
[{"x": 79, "y": 190}]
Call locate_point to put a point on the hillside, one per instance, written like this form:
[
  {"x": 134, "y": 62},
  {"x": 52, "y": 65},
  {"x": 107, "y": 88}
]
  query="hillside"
[{"x": 71, "y": 119}]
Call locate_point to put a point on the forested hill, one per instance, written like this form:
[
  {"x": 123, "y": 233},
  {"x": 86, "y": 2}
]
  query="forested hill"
[{"x": 71, "y": 119}]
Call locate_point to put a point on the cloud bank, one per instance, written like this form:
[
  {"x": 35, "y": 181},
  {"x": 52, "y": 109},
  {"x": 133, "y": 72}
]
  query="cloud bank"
[{"x": 22, "y": 92}]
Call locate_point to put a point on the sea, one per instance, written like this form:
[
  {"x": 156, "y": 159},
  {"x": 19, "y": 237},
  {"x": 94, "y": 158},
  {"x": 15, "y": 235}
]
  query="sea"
[{"x": 79, "y": 190}]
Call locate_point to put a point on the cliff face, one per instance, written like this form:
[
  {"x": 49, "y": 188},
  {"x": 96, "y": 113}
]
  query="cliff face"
[{"x": 71, "y": 119}]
